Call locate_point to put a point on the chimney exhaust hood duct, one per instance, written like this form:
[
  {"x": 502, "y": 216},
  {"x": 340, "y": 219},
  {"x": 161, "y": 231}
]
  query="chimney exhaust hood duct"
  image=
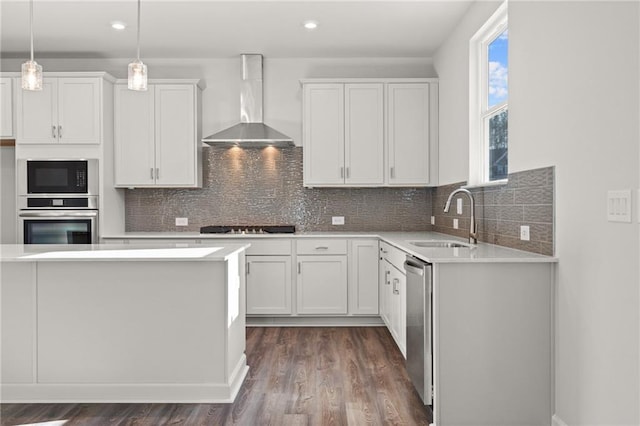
[{"x": 251, "y": 131}]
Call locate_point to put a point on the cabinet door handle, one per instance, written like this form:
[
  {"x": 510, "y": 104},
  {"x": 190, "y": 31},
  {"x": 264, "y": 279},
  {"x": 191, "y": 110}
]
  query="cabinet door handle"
[
  {"x": 248, "y": 267},
  {"x": 298, "y": 267},
  {"x": 386, "y": 280},
  {"x": 53, "y": 131},
  {"x": 342, "y": 172},
  {"x": 152, "y": 173},
  {"x": 157, "y": 173},
  {"x": 393, "y": 172},
  {"x": 395, "y": 286},
  {"x": 348, "y": 173},
  {"x": 60, "y": 132}
]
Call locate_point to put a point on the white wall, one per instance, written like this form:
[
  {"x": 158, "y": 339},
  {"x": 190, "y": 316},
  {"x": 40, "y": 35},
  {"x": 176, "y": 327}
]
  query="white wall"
[
  {"x": 451, "y": 62},
  {"x": 574, "y": 83},
  {"x": 574, "y": 103},
  {"x": 221, "y": 98}
]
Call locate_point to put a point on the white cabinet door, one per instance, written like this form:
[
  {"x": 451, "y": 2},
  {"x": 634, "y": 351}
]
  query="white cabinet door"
[
  {"x": 323, "y": 134},
  {"x": 363, "y": 277},
  {"x": 364, "y": 134},
  {"x": 322, "y": 285},
  {"x": 6, "y": 107},
  {"x": 408, "y": 133},
  {"x": 385, "y": 292},
  {"x": 175, "y": 133},
  {"x": 38, "y": 114},
  {"x": 269, "y": 285},
  {"x": 398, "y": 309},
  {"x": 79, "y": 110},
  {"x": 134, "y": 137}
]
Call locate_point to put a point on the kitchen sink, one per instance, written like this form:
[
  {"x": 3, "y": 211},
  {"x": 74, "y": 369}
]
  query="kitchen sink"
[{"x": 439, "y": 244}]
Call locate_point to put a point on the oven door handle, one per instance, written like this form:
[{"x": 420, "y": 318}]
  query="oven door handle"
[{"x": 89, "y": 213}]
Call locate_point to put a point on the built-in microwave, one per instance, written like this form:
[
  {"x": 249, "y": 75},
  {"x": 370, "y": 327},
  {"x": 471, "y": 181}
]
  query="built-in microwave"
[{"x": 57, "y": 177}]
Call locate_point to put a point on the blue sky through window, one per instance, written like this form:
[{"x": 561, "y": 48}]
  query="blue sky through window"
[{"x": 498, "y": 69}]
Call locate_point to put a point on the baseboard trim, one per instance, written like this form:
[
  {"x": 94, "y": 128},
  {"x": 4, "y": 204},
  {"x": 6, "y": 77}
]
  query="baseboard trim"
[
  {"x": 300, "y": 321},
  {"x": 557, "y": 421}
]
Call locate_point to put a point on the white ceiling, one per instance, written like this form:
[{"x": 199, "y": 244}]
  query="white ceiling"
[{"x": 220, "y": 29}]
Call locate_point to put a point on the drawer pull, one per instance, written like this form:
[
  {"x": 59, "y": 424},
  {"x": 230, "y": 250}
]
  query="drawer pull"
[{"x": 322, "y": 248}]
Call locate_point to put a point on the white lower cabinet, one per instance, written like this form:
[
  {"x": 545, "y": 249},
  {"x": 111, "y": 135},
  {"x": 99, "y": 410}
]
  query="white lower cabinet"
[
  {"x": 363, "y": 277},
  {"x": 269, "y": 285},
  {"x": 398, "y": 309},
  {"x": 322, "y": 284},
  {"x": 393, "y": 297}
]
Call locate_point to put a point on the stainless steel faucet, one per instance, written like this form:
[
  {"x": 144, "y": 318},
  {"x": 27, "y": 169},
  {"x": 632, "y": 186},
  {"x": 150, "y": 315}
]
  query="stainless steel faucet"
[{"x": 473, "y": 229}]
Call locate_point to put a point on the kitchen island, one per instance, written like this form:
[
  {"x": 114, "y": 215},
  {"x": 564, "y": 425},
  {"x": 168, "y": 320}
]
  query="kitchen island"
[{"x": 124, "y": 323}]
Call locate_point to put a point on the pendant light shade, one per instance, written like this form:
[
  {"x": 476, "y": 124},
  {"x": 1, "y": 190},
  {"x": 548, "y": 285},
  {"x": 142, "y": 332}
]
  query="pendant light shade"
[
  {"x": 137, "y": 75},
  {"x": 31, "y": 70}
]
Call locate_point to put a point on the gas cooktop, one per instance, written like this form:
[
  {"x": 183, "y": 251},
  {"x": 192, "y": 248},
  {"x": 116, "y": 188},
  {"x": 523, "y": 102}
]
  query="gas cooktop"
[{"x": 248, "y": 229}]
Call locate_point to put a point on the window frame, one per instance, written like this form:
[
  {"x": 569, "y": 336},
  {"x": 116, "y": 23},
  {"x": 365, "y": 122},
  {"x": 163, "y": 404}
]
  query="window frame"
[{"x": 479, "y": 112}]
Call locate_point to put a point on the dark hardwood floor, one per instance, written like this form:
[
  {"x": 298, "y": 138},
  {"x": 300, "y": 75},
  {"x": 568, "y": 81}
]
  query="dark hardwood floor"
[{"x": 297, "y": 376}]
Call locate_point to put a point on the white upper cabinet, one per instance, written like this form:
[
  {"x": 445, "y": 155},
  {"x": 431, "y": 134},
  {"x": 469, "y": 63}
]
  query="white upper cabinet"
[
  {"x": 370, "y": 132},
  {"x": 408, "y": 134},
  {"x": 364, "y": 134},
  {"x": 68, "y": 110},
  {"x": 6, "y": 108},
  {"x": 343, "y": 134},
  {"x": 157, "y": 139},
  {"x": 323, "y": 130}
]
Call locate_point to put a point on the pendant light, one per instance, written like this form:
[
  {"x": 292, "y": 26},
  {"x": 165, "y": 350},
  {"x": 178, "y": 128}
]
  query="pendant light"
[
  {"x": 137, "y": 79},
  {"x": 31, "y": 70}
]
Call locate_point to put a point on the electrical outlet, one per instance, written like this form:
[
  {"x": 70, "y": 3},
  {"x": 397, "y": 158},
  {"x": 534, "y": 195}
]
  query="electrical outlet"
[
  {"x": 524, "y": 233},
  {"x": 459, "y": 205},
  {"x": 619, "y": 206},
  {"x": 337, "y": 220},
  {"x": 182, "y": 221},
  {"x": 433, "y": 220},
  {"x": 455, "y": 223}
]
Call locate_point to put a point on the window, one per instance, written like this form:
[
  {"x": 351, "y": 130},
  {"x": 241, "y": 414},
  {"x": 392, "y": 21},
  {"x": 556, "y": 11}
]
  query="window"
[{"x": 489, "y": 97}]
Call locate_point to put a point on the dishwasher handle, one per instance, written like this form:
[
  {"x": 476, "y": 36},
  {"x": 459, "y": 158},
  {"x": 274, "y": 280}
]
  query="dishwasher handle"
[{"x": 413, "y": 267}]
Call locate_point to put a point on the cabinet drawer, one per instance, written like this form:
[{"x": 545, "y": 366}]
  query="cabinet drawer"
[
  {"x": 393, "y": 255},
  {"x": 321, "y": 246},
  {"x": 268, "y": 247}
]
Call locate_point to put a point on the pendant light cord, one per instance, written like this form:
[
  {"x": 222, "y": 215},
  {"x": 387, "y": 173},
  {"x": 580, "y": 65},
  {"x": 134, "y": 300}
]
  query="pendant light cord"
[
  {"x": 138, "y": 56},
  {"x": 31, "y": 25}
]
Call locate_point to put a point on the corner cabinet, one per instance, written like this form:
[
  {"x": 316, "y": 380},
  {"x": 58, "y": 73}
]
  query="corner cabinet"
[
  {"x": 370, "y": 132},
  {"x": 68, "y": 110},
  {"x": 157, "y": 135}
]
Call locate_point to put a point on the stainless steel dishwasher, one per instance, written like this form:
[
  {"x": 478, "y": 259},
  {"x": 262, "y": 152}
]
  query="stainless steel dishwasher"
[{"x": 419, "y": 335}]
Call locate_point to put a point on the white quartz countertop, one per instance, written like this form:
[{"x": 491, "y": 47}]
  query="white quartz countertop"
[
  {"x": 482, "y": 252},
  {"x": 119, "y": 252}
]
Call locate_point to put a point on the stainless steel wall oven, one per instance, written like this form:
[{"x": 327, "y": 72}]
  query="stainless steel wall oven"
[{"x": 57, "y": 201}]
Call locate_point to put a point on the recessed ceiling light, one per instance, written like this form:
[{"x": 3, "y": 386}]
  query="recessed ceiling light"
[
  {"x": 310, "y": 25},
  {"x": 118, "y": 25}
]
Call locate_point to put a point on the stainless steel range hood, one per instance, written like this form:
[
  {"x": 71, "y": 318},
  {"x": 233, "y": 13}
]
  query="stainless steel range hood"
[{"x": 251, "y": 131}]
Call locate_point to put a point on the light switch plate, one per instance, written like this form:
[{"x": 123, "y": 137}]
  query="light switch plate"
[
  {"x": 182, "y": 221},
  {"x": 455, "y": 223},
  {"x": 337, "y": 220},
  {"x": 459, "y": 205},
  {"x": 619, "y": 206},
  {"x": 524, "y": 233}
]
